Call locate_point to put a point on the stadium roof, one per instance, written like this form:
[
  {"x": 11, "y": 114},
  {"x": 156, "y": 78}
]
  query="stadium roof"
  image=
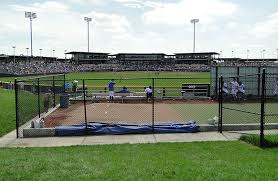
[
  {"x": 200, "y": 53},
  {"x": 76, "y": 52},
  {"x": 141, "y": 53}
]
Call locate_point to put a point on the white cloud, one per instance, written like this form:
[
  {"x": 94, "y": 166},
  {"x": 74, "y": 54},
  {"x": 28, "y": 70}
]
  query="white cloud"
[
  {"x": 48, "y": 7},
  {"x": 267, "y": 27},
  {"x": 58, "y": 27},
  {"x": 112, "y": 23},
  {"x": 232, "y": 25},
  {"x": 140, "y": 4},
  {"x": 84, "y": 2},
  {"x": 181, "y": 13}
]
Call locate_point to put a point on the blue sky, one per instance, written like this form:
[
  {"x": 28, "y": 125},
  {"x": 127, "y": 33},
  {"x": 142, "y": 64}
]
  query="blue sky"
[{"x": 142, "y": 26}]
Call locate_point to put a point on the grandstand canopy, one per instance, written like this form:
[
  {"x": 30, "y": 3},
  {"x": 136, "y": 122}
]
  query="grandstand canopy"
[
  {"x": 76, "y": 52},
  {"x": 89, "y": 57},
  {"x": 200, "y": 53},
  {"x": 195, "y": 58},
  {"x": 140, "y": 57}
]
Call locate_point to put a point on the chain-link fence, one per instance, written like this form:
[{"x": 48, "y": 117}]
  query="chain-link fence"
[
  {"x": 233, "y": 71},
  {"x": 248, "y": 104},
  {"x": 80, "y": 104},
  {"x": 35, "y": 98}
]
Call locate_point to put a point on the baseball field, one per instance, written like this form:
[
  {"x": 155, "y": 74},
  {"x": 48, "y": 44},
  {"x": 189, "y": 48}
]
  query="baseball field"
[
  {"x": 7, "y": 111},
  {"x": 172, "y": 110},
  {"x": 167, "y": 161}
]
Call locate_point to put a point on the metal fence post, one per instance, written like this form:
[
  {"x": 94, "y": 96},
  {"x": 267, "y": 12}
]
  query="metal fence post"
[
  {"x": 259, "y": 81},
  {"x": 85, "y": 108},
  {"x": 219, "y": 103},
  {"x": 16, "y": 108},
  {"x": 220, "y": 122},
  {"x": 262, "y": 110},
  {"x": 216, "y": 82},
  {"x": 64, "y": 83},
  {"x": 237, "y": 73},
  {"x": 153, "y": 105},
  {"x": 39, "y": 100},
  {"x": 53, "y": 89}
]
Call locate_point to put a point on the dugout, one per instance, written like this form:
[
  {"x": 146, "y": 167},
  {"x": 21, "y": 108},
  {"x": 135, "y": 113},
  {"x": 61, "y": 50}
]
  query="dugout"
[{"x": 249, "y": 75}]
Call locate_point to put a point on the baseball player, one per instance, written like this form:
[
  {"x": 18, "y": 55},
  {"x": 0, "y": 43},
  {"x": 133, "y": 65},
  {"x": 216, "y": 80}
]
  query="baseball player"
[
  {"x": 149, "y": 92},
  {"x": 276, "y": 88},
  {"x": 111, "y": 89},
  {"x": 241, "y": 90},
  {"x": 235, "y": 86}
]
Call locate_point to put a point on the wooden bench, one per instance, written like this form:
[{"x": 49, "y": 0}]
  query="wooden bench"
[
  {"x": 195, "y": 90},
  {"x": 119, "y": 94}
]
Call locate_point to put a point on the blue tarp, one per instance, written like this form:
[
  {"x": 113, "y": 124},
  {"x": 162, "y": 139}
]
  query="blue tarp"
[{"x": 95, "y": 128}]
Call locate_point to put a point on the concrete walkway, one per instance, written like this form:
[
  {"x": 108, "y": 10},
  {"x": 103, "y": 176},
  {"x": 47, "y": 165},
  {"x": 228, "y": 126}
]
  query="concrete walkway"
[{"x": 10, "y": 141}]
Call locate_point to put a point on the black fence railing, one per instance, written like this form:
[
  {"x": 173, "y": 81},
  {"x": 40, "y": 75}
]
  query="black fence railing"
[{"x": 249, "y": 104}]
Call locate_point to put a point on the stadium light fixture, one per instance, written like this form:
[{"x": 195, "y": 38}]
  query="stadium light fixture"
[
  {"x": 220, "y": 55},
  {"x": 262, "y": 55},
  {"x": 41, "y": 53},
  {"x": 194, "y": 21},
  {"x": 232, "y": 53},
  {"x": 65, "y": 55},
  {"x": 27, "y": 53},
  {"x": 14, "y": 53},
  {"x": 53, "y": 51},
  {"x": 31, "y": 16},
  {"x": 88, "y": 20}
]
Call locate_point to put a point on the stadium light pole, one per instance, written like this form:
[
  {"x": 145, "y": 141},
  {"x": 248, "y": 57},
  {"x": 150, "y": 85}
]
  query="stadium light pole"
[
  {"x": 41, "y": 54},
  {"x": 277, "y": 54},
  {"x": 53, "y": 51},
  {"x": 194, "y": 21},
  {"x": 14, "y": 53},
  {"x": 88, "y": 20},
  {"x": 65, "y": 54},
  {"x": 31, "y": 16},
  {"x": 248, "y": 54},
  {"x": 263, "y": 52},
  {"x": 221, "y": 53},
  {"x": 232, "y": 53},
  {"x": 27, "y": 53}
]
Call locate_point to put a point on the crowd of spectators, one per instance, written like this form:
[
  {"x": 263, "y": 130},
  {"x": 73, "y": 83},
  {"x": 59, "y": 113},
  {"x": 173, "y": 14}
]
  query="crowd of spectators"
[
  {"x": 244, "y": 64},
  {"x": 60, "y": 67}
]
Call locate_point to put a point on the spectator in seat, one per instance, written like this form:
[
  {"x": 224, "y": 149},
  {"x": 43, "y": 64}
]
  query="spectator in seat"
[{"x": 124, "y": 90}]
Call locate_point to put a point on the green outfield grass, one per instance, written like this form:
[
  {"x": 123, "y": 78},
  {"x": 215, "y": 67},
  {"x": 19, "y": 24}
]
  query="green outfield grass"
[
  {"x": 7, "y": 111},
  {"x": 127, "y": 78},
  {"x": 27, "y": 104},
  {"x": 132, "y": 79},
  {"x": 269, "y": 140},
  {"x": 137, "y": 74},
  {"x": 167, "y": 161}
]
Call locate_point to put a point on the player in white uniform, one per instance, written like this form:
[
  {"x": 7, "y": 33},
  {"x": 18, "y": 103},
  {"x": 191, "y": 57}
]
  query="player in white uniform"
[
  {"x": 241, "y": 90},
  {"x": 235, "y": 86},
  {"x": 276, "y": 88},
  {"x": 225, "y": 88}
]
